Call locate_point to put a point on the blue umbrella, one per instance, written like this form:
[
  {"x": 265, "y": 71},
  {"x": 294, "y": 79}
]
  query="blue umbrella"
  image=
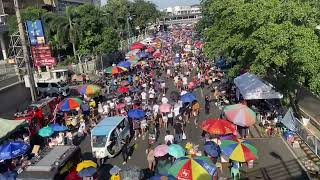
[
  {"x": 188, "y": 97},
  {"x": 87, "y": 172},
  {"x": 212, "y": 149},
  {"x": 125, "y": 64},
  {"x": 143, "y": 54},
  {"x": 134, "y": 89},
  {"x": 58, "y": 128},
  {"x": 13, "y": 149},
  {"x": 159, "y": 177},
  {"x": 136, "y": 113}
]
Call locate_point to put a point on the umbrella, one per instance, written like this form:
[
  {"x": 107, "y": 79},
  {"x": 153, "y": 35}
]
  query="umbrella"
[
  {"x": 87, "y": 172},
  {"x": 73, "y": 175},
  {"x": 58, "y": 127},
  {"x": 137, "y": 45},
  {"x": 187, "y": 168},
  {"x": 218, "y": 126},
  {"x": 13, "y": 149},
  {"x": 46, "y": 131},
  {"x": 212, "y": 149},
  {"x": 161, "y": 150},
  {"x": 228, "y": 137},
  {"x": 136, "y": 113},
  {"x": 134, "y": 58},
  {"x": 134, "y": 89},
  {"x": 125, "y": 64},
  {"x": 120, "y": 105},
  {"x": 150, "y": 49},
  {"x": 165, "y": 108},
  {"x": 123, "y": 89},
  {"x": 176, "y": 150},
  {"x": 86, "y": 164},
  {"x": 133, "y": 52},
  {"x": 239, "y": 150},
  {"x": 69, "y": 104},
  {"x": 143, "y": 54},
  {"x": 114, "y": 170},
  {"x": 188, "y": 97},
  {"x": 240, "y": 115},
  {"x": 115, "y": 69},
  {"x": 89, "y": 89},
  {"x": 124, "y": 83},
  {"x": 157, "y": 53},
  {"x": 162, "y": 177},
  {"x": 141, "y": 63}
]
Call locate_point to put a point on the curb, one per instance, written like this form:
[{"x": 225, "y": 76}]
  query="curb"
[{"x": 11, "y": 85}]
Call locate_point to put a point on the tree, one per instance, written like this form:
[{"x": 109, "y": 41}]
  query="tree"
[
  {"x": 270, "y": 38},
  {"x": 109, "y": 42}
]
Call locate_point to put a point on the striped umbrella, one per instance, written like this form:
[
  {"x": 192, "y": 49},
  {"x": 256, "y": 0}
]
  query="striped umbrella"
[
  {"x": 115, "y": 69},
  {"x": 240, "y": 115},
  {"x": 187, "y": 168},
  {"x": 89, "y": 89},
  {"x": 239, "y": 150},
  {"x": 69, "y": 104},
  {"x": 218, "y": 126}
]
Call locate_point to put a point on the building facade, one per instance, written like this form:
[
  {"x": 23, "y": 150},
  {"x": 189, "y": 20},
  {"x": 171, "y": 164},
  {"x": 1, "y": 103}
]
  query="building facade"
[{"x": 181, "y": 10}]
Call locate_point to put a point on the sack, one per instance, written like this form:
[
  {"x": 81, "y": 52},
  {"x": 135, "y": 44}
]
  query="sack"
[{"x": 184, "y": 137}]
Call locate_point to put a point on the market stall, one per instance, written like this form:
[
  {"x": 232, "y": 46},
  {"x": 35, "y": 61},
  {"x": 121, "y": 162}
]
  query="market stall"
[
  {"x": 7, "y": 127},
  {"x": 250, "y": 87}
]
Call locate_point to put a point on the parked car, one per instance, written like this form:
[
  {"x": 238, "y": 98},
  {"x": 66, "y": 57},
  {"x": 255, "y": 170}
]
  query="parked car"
[{"x": 53, "y": 88}]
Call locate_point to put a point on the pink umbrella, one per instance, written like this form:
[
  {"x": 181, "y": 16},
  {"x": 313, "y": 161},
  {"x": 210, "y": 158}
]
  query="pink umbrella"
[
  {"x": 161, "y": 150},
  {"x": 157, "y": 53},
  {"x": 120, "y": 106},
  {"x": 164, "y": 108}
]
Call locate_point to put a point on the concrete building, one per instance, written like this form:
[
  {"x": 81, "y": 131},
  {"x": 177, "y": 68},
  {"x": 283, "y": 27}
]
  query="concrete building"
[{"x": 181, "y": 10}]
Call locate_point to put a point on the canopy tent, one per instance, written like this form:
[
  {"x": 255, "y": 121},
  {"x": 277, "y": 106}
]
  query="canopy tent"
[
  {"x": 9, "y": 126},
  {"x": 251, "y": 87},
  {"x": 290, "y": 121}
]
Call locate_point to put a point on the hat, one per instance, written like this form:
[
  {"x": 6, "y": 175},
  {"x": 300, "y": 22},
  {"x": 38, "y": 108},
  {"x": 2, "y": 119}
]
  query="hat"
[{"x": 114, "y": 170}]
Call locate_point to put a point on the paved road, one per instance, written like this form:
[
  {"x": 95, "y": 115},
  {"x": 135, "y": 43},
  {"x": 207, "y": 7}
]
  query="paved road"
[{"x": 269, "y": 166}]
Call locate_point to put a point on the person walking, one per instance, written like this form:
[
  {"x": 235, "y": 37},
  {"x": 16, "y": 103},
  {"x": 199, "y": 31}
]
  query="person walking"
[
  {"x": 207, "y": 105},
  {"x": 150, "y": 158},
  {"x": 125, "y": 150},
  {"x": 178, "y": 131}
]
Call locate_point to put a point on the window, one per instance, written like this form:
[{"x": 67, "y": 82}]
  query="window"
[
  {"x": 99, "y": 141},
  {"x": 55, "y": 85},
  {"x": 43, "y": 85}
]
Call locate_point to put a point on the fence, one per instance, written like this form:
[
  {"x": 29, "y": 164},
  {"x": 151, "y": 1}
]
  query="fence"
[
  {"x": 308, "y": 137},
  {"x": 7, "y": 71}
]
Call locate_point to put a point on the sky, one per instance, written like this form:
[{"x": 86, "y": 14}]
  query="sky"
[{"x": 167, "y": 3}]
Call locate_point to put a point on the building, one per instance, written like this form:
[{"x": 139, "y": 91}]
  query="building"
[{"x": 181, "y": 10}]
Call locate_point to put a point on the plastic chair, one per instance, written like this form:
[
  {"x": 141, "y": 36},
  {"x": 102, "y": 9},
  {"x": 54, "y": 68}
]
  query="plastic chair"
[{"x": 235, "y": 172}]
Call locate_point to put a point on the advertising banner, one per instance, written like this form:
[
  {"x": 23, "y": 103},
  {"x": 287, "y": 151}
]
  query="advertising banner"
[
  {"x": 35, "y": 32},
  {"x": 42, "y": 56}
]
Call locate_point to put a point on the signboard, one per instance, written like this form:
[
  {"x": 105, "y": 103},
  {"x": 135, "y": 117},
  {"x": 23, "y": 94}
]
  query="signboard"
[
  {"x": 35, "y": 32},
  {"x": 42, "y": 56}
]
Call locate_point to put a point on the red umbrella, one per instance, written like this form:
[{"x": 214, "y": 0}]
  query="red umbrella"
[
  {"x": 120, "y": 106},
  {"x": 157, "y": 54},
  {"x": 137, "y": 45},
  {"x": 73, "y": 175},
  {"x": 218, "y": 126},
  {"x": 123, "y": 89},
  {"x": 150, "y": 49},
  {"x": 124, "y": 83}
]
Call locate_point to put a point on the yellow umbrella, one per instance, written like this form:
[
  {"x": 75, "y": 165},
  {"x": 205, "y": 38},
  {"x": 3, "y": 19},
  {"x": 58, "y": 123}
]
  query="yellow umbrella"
[{"x": 86, "y": 164}]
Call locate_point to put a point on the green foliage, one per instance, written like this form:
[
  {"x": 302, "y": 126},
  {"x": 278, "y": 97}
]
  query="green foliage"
[
  {"x": 268, "y": 37},
  {"x": 110, "y": 42}
]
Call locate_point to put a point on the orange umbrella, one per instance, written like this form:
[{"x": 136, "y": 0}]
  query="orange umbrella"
[{"x": 218, "y": 126}]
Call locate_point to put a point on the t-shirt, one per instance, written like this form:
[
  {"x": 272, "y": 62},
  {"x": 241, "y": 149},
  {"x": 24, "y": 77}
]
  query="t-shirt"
[
  {"x": 178, "y": 128},
  {"x": 164, "y": 100},
  {"x": 144, "y": 95},
  {"x": 163, "y": 85},
  {"x": 168, "y": 138},
  {"x": 155, "y": 108},
  {"x": 184, "y": 81}
]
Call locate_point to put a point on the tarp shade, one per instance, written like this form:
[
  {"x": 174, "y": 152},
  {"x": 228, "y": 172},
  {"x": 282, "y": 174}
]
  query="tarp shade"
[
  {"x": 9, "y": 126},
  {"x": 251, "y": 87},
  {"x": 290, "y": 121}
]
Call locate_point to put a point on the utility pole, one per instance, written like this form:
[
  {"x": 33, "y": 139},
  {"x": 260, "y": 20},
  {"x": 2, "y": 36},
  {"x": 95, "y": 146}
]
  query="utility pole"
[{"x": 25, "y": 52}]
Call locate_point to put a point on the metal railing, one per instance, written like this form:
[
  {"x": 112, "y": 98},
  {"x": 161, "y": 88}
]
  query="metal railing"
[
  {"x": 311, "y": 140},
  {"x": 7, "y": 71}
]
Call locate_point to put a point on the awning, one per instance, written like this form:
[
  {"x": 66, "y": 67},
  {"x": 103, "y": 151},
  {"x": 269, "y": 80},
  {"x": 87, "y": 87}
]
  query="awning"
[
  {"x": 252, "y": 87},
  {"x": 290, "y": 121},
  {"x": 9, "y": 126}
]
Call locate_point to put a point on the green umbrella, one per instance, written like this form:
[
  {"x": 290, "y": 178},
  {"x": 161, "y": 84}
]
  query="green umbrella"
[
  {"x": 176, "y": 150},
  {"x": 46, "y": 131}
]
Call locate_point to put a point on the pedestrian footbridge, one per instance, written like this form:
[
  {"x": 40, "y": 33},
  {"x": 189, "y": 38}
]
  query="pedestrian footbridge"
[{"x": 181, "y": 19}]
